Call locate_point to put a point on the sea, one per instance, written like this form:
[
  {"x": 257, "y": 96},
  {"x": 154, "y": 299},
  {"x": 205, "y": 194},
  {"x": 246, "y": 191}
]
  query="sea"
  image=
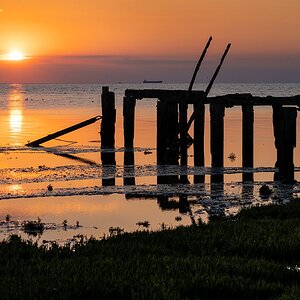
[{"x": 64, "y": 184}]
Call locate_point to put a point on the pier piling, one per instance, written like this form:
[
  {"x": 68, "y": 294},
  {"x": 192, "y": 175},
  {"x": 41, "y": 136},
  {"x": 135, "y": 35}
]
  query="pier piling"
[
  {"x": 107, "y": 131},
  {"x": 167, "y": 133},
  {"x": 287, "y": 141},
  {"x": 128, "y": 121},
  {"x": 172, "y": 119},
  {"x": 199, "y": 140},
  {"x": 247, "y": 140},
  {"x": 217, "y": 112}
]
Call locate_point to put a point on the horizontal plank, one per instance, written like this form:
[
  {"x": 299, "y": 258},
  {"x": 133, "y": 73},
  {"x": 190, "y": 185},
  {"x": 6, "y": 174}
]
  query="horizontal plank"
[
  {"x": 169, "y": 95},
  {"x": 228, "y": 100}
]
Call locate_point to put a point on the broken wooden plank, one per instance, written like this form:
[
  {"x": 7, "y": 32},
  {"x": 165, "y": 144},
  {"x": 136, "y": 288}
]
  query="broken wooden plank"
[{"x": 57, "y": 134}]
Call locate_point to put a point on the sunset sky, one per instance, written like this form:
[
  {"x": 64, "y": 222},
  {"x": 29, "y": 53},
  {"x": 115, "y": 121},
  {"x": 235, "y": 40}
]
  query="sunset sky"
[{"x": 131, "y": 40}]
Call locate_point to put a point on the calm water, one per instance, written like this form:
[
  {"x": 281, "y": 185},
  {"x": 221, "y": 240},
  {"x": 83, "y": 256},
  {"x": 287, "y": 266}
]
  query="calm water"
[{"x": 30, "y": 111}]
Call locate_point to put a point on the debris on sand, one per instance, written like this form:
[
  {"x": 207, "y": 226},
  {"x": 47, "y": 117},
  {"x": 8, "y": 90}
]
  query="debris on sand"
[
  {"x": 265, "y": 191},
  {"x": 232, "y": 156}
]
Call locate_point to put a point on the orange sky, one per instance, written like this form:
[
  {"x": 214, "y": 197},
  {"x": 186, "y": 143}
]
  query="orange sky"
[{"x": 139, "y": 30}]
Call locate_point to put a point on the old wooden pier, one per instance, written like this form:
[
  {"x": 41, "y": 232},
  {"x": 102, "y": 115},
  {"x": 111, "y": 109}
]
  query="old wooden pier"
[{"x": 169, "y": 133}]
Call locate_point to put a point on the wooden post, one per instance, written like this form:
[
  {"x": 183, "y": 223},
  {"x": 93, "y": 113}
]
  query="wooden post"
[
  {"x": 276, "y": 130},
  {"x": 183, "y": 107},
  {"x": 172, "y": 133},
  {"x": 247, "y": 191},
  {"x": 129, "y": 168},
  {"x": 128, "y": 121},
  {"x": 128, "y": 126},
  {"x": 107, "y": 130},
  {"x": 110, "y": 172},
  {"x": 217, "y": 112},
  {"x": 287, "y": 143},
  {"x": 161, "y": 137},
  {"x": 167, "y": 133},
  {"x": 247, "y": 136},
  {"x": 199, "y": 140}
]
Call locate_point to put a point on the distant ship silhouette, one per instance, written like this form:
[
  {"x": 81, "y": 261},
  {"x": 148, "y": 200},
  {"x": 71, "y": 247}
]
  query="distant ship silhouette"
[{"x": 152, "y": 81}]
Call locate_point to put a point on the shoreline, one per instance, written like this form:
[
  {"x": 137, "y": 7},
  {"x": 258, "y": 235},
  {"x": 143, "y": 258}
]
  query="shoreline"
[{"x": 254, "y": 254}]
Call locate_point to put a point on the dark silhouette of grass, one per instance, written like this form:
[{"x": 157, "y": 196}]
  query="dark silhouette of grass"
[{"x": 251, "y": 256}]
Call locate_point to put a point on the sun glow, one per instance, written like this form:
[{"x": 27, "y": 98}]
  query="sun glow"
[{"x": 16, "y": 55}]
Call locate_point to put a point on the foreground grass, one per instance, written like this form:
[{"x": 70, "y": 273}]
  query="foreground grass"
[{"x": 253, "y": 256}]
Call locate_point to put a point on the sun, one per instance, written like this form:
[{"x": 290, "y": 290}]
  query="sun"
[{"x": 16, "y": 55}]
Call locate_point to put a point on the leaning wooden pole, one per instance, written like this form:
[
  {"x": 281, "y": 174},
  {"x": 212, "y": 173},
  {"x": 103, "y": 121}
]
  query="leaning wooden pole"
[
  {"x": 57, "y": 134},
  {"x": 183, "y": 106},
  {"x": 192, "y": 118}
]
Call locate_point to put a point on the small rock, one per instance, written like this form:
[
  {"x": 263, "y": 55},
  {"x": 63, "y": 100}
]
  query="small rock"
[
  {"x": 265, "y": 191},
  {"x": 50, "y": 187}
]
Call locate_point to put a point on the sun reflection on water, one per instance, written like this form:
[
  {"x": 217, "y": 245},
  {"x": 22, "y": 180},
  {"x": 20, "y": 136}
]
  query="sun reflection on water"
[
  {"x": 15, "y": 188},
  {"x": 15, "y": 106},
  {"x": 15, "y": 120}
]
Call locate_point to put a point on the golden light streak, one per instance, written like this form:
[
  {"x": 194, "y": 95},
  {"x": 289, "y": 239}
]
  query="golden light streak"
[
  {"x": 15, "y": 120},
  {"x": 15, "y": 112}
]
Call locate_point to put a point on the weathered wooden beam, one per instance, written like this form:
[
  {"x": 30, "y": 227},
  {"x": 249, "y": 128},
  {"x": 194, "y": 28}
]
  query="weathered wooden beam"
[
  {"x": 217, "y": 112},
  {"x": 247, "y": 99},
  {"x": 228, "y": 100},
  {"x": 199, "y": 141},
  {"x": 247, "y": 137},
  {"x": 57, "y": 134},
  {"x": 164, "y": 95}
]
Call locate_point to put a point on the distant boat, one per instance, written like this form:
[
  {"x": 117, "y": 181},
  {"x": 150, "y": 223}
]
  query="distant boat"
[{"x": 152, "y": 81}]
